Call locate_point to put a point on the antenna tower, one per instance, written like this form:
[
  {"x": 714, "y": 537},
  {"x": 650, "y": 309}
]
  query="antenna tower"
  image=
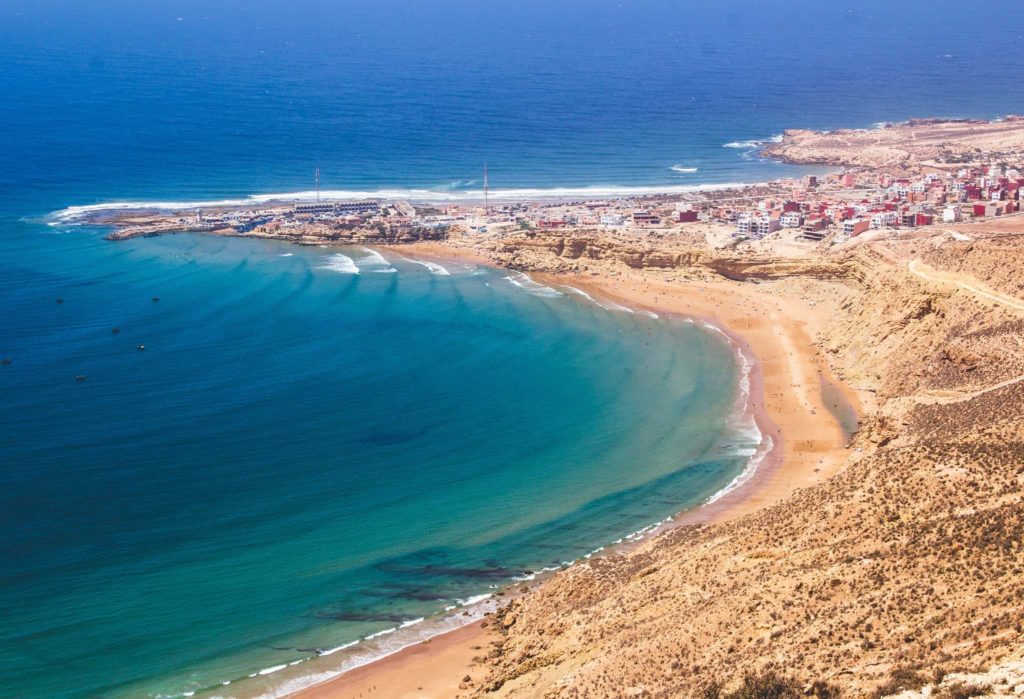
[{"x": 318, "y": 185}]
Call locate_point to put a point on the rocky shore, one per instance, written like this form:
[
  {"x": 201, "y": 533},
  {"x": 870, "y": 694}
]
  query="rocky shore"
[{"x": 936, "y": 144}]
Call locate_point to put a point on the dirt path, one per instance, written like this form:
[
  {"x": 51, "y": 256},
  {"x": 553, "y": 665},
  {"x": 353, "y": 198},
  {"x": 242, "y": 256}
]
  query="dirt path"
[
  {"x": 920, "y": 269},
  {"x": 947, "y": 397}
]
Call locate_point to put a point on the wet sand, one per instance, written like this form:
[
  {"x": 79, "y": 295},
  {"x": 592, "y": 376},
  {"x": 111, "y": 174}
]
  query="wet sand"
[
  {"x": 435, "y": 668},
  {"x": 809, "y": 444}
]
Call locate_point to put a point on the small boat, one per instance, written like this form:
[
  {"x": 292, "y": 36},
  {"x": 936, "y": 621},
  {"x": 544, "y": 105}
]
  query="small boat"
[
  {"x": 115, "y": 330},
  {"x": 155, "y": 299},
  {"x": 60, "y": 300},
  {"x": 140, "y": 347},
  {"x": 80, "y": 378}
]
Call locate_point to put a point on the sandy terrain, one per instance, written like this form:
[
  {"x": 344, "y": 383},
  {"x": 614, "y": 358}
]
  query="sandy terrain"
[
  {"x": 432, "y": 669},
  {"x": 918, "y": 143},
  {"x": 891, "y": 566},
  {"x": 809, "y": 444}
]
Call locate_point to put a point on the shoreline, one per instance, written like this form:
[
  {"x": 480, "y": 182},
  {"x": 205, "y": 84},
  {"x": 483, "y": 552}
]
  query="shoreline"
[
  {"x": 73, "y": 214},
  {"x": 440, "y": 662}
]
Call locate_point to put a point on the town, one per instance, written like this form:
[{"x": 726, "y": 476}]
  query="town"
[{"x": 824, "y": 210}]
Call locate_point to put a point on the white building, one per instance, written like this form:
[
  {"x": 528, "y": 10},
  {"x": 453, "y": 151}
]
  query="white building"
[
  {"x": 757, "y": 226},
  {"x": 855, "y": 226},
  {"x": 791, "y": 219},
  {"x": 884, "y": 219}
]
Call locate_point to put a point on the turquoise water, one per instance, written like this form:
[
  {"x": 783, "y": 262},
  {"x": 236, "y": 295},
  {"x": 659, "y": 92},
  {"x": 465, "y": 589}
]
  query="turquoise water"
[{"x": 301, "y": 457}]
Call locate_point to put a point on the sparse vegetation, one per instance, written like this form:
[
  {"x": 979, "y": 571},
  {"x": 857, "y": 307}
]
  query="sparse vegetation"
[
  {"x": 910, "y": 557},
  {"x": 770, "y": 685},
  {"x": 962, "y": 690},
  {"x": 900, "y": 680}
]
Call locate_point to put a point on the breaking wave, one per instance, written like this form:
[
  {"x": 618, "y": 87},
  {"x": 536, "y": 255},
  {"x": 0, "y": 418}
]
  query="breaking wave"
[
  {"x": 432, "y": 266},
  {"x": 524, "y": 282},
  {"x": 71, "y": 214},
  {"x": 340, "y": 263},
  {"x": 750, "y": 145},
  {"x": 378, "y": 262}
]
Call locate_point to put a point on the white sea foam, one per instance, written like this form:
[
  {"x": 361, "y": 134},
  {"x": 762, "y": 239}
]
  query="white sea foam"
[
  {"x": 286, "y": 254},
  {"x": 750, "y": 145},
  {"x": 340, "y": 263},
  {"x": 616, "y": 307},
  {"x": 597, "y": 191},
  {"x": 680, "y": 168},
  {"x": 524, "y": 282},
  {"x": 384, "y": 644},
  {"x": 414, "y": 631},
  {"x": 752, "y": 443},
  {"x": 374, "y": 257},
  {"x": 376, "y": 262},
  {"x": 271, "y": 670},
  {"x": 432, "y": 266},
  {"x": 581, "y": 292},
  {"x": 608, "y": 305},
  {"x": 745, "y": 475},
  {"x": 332, "y": 651}
]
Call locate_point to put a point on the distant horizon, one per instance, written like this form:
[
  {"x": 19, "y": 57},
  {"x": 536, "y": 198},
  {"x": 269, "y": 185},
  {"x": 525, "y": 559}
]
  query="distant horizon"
[
  {"x": 412, "y": 97},
  {"x": 260, "y": 455}
]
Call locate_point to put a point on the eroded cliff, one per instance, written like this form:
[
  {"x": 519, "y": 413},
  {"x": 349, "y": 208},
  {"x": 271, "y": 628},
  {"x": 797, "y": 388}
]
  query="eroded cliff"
[{"x": 910, "y": 560}]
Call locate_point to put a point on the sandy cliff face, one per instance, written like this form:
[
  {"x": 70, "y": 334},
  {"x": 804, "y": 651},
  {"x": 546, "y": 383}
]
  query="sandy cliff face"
[
  {"x": 913, "y": 556},
  {"x": 574, "y": 252},
  {"x": 577, "y": 251},
  {"x": 985, "y": 260}
]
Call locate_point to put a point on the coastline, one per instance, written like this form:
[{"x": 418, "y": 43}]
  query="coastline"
[{"x": 805, "y": 445}]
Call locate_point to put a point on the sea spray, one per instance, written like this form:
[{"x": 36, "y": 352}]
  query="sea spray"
[
  {"x": 75, "y": 213},
  {"x": 339, "y": 262},
  {"x": 527, "y": 284}
]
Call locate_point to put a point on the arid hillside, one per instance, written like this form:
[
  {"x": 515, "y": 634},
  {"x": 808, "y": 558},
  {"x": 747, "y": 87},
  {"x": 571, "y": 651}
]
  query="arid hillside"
[
  {"x": 933, "y": 143},
  {"x": 907, "y": 565}
]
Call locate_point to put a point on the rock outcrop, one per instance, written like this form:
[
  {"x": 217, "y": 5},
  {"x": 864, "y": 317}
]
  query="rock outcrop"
[{"x": 909, "y": 563}]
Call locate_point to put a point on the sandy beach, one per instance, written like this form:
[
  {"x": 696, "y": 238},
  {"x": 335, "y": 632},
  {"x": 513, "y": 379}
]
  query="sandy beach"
[
  {"x": 435, "y": 668},
  {"x": 809, "y": 444}
]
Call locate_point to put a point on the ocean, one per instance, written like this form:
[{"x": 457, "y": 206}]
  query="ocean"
[{"x": 284, "y": 451}]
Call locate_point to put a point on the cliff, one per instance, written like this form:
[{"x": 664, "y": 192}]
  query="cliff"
[
  {"x": 583, "y": 251},
  {"x": 906, "y": 565}
]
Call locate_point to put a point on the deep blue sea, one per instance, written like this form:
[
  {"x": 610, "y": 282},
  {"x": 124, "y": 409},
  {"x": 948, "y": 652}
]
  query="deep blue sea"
[{"x": 316, "y": 446}]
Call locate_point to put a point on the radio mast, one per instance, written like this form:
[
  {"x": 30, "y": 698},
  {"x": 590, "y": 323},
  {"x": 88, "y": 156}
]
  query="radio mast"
[
  {"x": 318, "y": 185},
  {"x": 487, "y": 209}
]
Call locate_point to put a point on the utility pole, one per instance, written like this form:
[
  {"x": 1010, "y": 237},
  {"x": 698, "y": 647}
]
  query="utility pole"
[
  {"x": 318, "y": 185},
  {"x": 487, "y": 208}
]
